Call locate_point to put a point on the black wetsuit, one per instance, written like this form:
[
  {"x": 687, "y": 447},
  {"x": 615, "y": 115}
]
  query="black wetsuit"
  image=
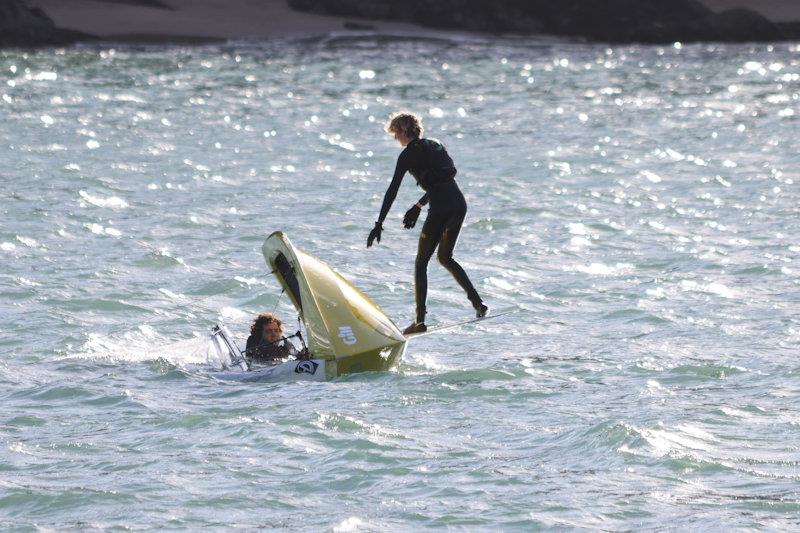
[
  {"x": 429, "y": 163},
  {"x": 261, "y": 351}
]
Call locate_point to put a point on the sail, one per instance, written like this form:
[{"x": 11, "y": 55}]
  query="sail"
[{"x": 342, "y": 324}]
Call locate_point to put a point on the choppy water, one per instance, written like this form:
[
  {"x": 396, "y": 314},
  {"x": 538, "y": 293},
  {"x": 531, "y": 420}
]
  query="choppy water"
[{"x": 640, "y": 204}]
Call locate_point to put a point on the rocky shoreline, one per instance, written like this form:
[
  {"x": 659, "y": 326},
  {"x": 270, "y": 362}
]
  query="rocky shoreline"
[
  {"x": 22, "y": 26},
  {"x": 610, "y": 21},
  {"x": 613, "y": 21}
]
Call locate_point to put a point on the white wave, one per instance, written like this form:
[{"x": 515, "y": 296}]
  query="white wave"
[
  {"x": 657, "y": 293},
  {"x": 650, "y": 176},
  {"x": 97, "y": 229},
  {"x": 43, "y": 76},
  {"x": 113, "y": 202},
  {"x": 171, "y": 294},
  {"x": 576, "y": 228},
  {"x": 738, "y": 413},
  {"x": 130, "y": 98},
  {"x": 600, "y": 269},
  {"x": 19, "y": 447},
  {"x": 682, "y": 440},
  {"x": 579, "y": 242},
  {"x": 352, "y": 523},
  {"x": 233, "y": 314},
  {"x": 146, "y": 344},
  {"x": 714, "y": 288},
  {"x": 248, "y": 281},
  {"x": 27, "y": 241},
  {"x": 500, "y": 283}
]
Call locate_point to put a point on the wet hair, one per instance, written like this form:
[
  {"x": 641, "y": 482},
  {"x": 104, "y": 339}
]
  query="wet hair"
[
  {"x": 264, "y": 318},
  {"x": 407, "y": 123}
]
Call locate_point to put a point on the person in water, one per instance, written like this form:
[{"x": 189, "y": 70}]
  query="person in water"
[
  {"x": 429, "y": 163},
  {"x": 266, "y": 342}
]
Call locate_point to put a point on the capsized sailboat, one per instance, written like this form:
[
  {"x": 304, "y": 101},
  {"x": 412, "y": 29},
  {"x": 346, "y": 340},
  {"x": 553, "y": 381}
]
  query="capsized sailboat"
[{"x": 346, "y": 331}]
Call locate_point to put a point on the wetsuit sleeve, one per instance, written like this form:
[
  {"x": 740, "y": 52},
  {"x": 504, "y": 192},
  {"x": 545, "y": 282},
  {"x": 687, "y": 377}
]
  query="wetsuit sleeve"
[
  {"x": 252, "y": 342},
  {"x": 391, "y": 193},
  {"x": 423, "y": 200}
]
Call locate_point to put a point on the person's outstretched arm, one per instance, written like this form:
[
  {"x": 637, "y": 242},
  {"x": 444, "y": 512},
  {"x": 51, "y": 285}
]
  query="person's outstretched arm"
[{"x": 391, "y": 193}]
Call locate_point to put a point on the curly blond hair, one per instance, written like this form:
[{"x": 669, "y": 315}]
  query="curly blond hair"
[{"x": 407, "y": 123}]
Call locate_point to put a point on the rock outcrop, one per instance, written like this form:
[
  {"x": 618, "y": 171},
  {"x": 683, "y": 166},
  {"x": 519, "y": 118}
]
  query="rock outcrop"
[
  {"x": 21, "y": 26},
  {"x": 615, "y": 21}
]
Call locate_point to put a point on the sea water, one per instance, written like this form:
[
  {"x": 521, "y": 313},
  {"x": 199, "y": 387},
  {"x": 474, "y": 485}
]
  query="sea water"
[{"x": 638, "y": 205}]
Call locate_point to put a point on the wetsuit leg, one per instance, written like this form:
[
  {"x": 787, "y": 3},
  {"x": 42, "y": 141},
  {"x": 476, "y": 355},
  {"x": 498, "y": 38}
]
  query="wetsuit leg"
[
  {"x": 428, "y": 240},
  {"x": 448, "y": 243}
]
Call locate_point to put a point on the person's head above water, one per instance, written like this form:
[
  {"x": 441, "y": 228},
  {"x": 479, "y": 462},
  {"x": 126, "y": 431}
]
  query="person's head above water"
[
  {"x": 405, "y": 127},
  {"x": 268, "y": 326}
]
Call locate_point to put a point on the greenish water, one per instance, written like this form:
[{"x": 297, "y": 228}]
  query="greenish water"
[{"x": 639, "y": 204}]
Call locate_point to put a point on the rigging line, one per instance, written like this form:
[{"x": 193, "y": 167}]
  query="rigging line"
[{"x": 278, "y": 300}]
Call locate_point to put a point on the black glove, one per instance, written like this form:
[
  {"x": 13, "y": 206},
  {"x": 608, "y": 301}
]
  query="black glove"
[
  {"x": 411, "y": 217},
  {"x": 375, "y": 234}
]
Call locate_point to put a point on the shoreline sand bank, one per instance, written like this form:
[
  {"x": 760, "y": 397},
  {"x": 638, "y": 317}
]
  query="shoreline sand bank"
[{"x": 198, "y": 21}]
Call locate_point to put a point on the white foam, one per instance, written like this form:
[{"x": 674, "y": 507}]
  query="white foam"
[
  {"x": 248, "y": 281},
  {"x": 576, "y": 228},
  {"x": 98, "y": 229},
  {"x": 720, "y": 290},
  {"x": 113, "y": 202},
  {"x": 501, "y": 283},
  {"x": 714, "y": 288},
  {"x": 232, "y": 313},
  {"x": 27, "y": 241},
  {"x": 171, "y": 294},
  {"x": 18, "y": 447},
  {"x": 600, "y": 269},
  {"x": 352, "y": 523},
  {"x": 44, "y": 76},
  {"x": 146, "y": 344},
  {"x": 579, "y": 242},
  {"x": 657, "y": 293},
  {"x": 650, "y": 176}
]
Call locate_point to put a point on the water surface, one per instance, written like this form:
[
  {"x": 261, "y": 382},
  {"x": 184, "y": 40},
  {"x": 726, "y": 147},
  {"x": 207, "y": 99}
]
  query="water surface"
[{"x": 638, "y": 204}]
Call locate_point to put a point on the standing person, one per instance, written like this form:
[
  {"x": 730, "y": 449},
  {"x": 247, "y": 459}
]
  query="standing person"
[
  {"x": 428, "y": 161},
  {"x": 264, "y": 343}
]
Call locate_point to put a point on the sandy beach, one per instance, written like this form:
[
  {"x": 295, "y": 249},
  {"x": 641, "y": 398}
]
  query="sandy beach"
[{"x": 198, "y": 20}]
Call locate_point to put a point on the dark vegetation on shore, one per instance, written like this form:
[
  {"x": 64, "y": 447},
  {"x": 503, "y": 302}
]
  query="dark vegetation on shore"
[
  {"x": 612, "y": 21},
  {"x": 24, "y": 26}
]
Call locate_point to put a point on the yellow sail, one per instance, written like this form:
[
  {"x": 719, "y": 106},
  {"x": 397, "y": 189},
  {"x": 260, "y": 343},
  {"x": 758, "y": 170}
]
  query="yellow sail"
[{"x": 344, "y": 327}]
